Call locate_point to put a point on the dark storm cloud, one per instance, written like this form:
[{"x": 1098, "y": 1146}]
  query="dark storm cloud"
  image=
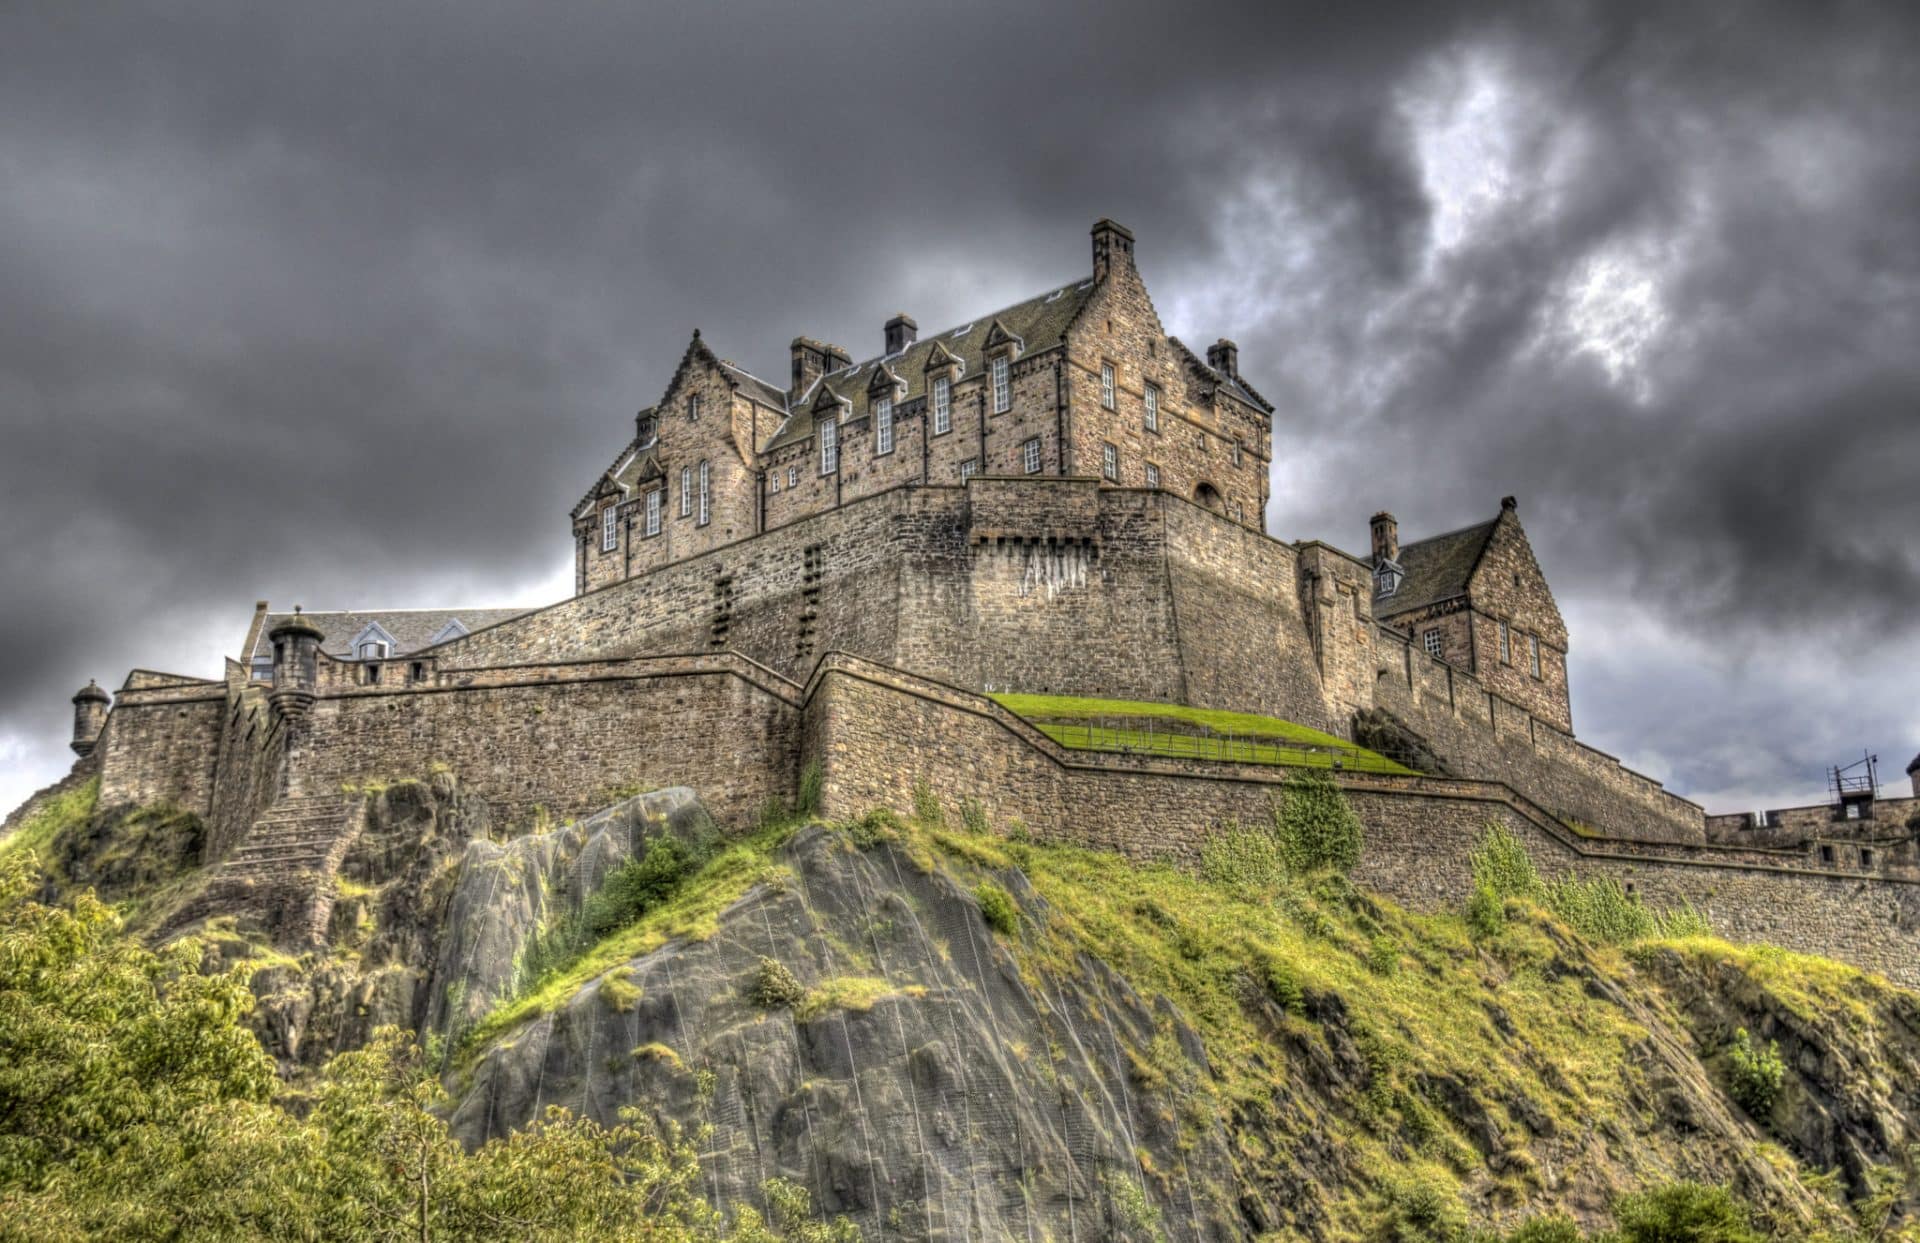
[{"x": 347, "y": 305}]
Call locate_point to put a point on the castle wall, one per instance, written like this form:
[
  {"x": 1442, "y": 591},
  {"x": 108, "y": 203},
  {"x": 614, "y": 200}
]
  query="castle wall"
[
  {"x": 1420, "y": 831},
  {"x": 250, "y": 764},
  {"x": 561, "y": 742},
  {"x": 160, "y": 745}
]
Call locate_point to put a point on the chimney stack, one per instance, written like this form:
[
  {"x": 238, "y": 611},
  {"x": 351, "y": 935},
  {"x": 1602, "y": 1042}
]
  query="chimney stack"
[
  {"x": 901, "y": 332},
  {"x": 1224, "y": 356},
  {"x": 1111, "y": 243},
  {"x": 1386, "y": 537},
  {"x": 813, "y": 358}
]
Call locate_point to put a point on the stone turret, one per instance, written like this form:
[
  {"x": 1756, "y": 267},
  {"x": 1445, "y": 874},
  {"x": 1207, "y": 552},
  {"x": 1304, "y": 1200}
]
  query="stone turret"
[
  {"x": 89, "y": 717},
  {"x": 1913, "y": 774},
  {"x": 296, "y": 665}
]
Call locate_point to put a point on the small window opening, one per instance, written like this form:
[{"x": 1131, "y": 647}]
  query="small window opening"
[
  {"x": 419, "y": 671},
  {"x": 1826, "y": 854},
  {"x": 1866, "y": 857}
]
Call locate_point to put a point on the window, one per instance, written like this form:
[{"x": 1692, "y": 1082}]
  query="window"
[
  {"x": 609, "y": 529},
  {"x": 942, "y": 406},
  {"x": 1153, "y": 475},
  {"x": 1533, "y": 652},
  {"x": 1386, "y": 580},
  {"x": 373, "y": 675},
  {"x": 653, "y": 511},
  {"x": 1001, "y": 398},
  {"x": 706, "y": 496},
  {"x": 1240, "y": 515},
  {"x": 1030, "y": 456},
  {"x": 374, "y": 649},
  {"x": 793, "y": 476},
  {"x": 1106, "y": 385},
  {"x": 829, "y": 447},
  {"x": 686, "y": 490},
  {"x": 1153, "y": 407},
  {"x": 419, "y": 671},
  {"x": 969, "y": 468},
  {"x": 1236, "y": 453},
  {"x": 1110, "y": 462},
  {"x": 1853, "y": 811},
  {"x": 1826, "y": 854},
  {"x": 883, "y": 426},
  {"x": 1506, "y": 644},
  {"x": 693, "y": 407},
  {"x": 774, "y": 482},
  {"x": 1866, "y": 857},
  {"x": 1431, "y": 640}
]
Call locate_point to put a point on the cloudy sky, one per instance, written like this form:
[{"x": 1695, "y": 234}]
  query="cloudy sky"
[{"x": 346, "y": 305}]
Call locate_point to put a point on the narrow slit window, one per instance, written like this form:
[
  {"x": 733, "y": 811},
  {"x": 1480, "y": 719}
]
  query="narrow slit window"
[
  {"x": 942, "y": 406},
  {"x": 1106, "y": 385},
  {"x": 1533, "y": 653},
  {"x": 693, "y": 407},
  {"x": 706, "y": 496},
  {"x": 686, "y": 490},
  {"x": 1153, "y": 407},
  {"x": 1002, "y": 398},
  {"x": 1506, "y": 644}
]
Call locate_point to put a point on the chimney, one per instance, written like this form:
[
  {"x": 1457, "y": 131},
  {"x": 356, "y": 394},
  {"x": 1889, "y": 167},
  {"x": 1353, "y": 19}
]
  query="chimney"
[
  {"x": 901, "y": 332},
  {"x": 1111, "y": 242},
  {"x": 1508, "y": 503},
  {"x": 1386, "y": 537},
  {"x": 1224, "y": 356},
  {"x": 811, "y": 358}
]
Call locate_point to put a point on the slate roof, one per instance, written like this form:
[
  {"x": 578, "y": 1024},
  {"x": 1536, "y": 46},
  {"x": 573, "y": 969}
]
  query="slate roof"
[
  {"x": 1231, "y": 382},
  {"x": 1039, "y": 322},
  {"x": 758, "y": 389},
  {"x": 412, "y": 629},
  {"x": 1437, "y": 568}
]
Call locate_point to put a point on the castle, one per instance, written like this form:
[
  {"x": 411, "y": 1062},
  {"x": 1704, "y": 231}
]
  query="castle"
[{"x": 1055, "y": 499}]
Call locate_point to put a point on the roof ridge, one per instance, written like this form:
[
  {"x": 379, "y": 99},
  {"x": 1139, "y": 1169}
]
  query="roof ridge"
[
  {"x": 1050, "y": 290},
  {"x": 1427, "y": 539}
]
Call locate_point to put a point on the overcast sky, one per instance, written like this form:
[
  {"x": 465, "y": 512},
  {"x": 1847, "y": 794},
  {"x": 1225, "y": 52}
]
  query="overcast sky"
[{"x": 347, "y": 305}]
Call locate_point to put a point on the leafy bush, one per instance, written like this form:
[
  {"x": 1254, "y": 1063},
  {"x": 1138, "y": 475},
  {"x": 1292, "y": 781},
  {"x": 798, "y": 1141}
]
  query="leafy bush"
[
  {"x": 1501, "y": 863},
  {"x": 997, "y": 908},
  {"x": 1683, "y": 1212},
  {"x": 812, "y": 792},
  {"x": 1486, "y": 914},
  {"x": 1281, "y": 984},
  {"x": 1315, "y": 826},
  {"x": 1558, "y": 1228},
  {"x": 1685, "y": 920},
  {"x": 1383, "y": 955},
  {"x": 1755, "y": 1074},
  {"x": 1243, "y": 858},
  {"x": 926, "y": 806},
  {"x": 639, "y": 885},
  {"x": 1600, "y": 910},
  {"x": 774, "y": 987},
  {"x": 878, "y": 825},
  {"x": 1422, "y": 1210},
  {"x": 973, "y": 816}
]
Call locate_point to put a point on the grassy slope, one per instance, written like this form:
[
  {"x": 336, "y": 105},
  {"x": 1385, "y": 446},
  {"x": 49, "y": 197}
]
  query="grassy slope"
[
  {"x": 1071, "y": 721},
  {"x": 53, "y": 817}
]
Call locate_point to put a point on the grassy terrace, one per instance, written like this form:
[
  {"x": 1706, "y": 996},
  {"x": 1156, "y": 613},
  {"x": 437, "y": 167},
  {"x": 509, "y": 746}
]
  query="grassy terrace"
[{"x": 1144, "y": 727}]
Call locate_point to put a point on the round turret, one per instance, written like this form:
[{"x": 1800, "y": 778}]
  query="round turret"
[
  {"x": 296, "y": 664},
  {"x": 89, "y": 717}
]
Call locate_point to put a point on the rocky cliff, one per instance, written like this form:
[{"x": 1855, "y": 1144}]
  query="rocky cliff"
[{"x": 946, "y": 1032}]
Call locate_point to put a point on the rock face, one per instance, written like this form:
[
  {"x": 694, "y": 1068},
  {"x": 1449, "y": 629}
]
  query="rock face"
[{"x": 924, "y": 1087}]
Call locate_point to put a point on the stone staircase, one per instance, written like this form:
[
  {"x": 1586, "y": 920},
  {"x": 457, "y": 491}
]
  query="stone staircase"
[{"x": 280, "y": 878}]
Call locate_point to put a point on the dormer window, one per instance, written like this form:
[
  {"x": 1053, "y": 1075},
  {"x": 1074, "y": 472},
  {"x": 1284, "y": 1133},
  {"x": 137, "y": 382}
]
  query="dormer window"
[
  {"x": 1002, "y": 396},
  {"x": 883, "y": 426},
  {"x": 371, "y": 649},
  {"x": 609, "y": 529},
  {"x": 1386, "y": 579}
]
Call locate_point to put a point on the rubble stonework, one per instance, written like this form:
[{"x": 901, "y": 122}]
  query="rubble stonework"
[{"x": 857, "y": 617}]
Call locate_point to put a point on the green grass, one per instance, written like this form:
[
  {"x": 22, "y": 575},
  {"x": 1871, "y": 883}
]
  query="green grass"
[
  {"x": 54, "y": 816},
  {"x": 1240, "y": 737}
]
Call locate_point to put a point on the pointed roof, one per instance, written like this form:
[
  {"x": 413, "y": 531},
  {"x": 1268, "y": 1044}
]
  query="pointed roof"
[
  {"x": 410, "y": 630},
  {"x": 1221, "y": 379},
  {"x": 1437, "y": 568}
]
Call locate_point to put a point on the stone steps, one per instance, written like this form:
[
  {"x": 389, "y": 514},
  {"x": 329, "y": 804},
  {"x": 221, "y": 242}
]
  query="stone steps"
[{"x": 279, "y": 879}]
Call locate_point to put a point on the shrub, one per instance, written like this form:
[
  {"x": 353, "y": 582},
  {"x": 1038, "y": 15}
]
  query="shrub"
[
  {"x": 1685, "y": 920},
  {"x": 926, "y": 806},
  {"x": 1281, "y": 984},
  {"x": 639, "y": 885},
  {"x": 1558, "y": 1228},
  {"x": 1486, "y": 914},
  {"x": 1315, "y": 826},
  {"x": 973, "y": 816},
  {"x": 1600, "y": 909},
  {"x": 1383, "y": 955},
  {"x": 1683, "y": 1212},
  {"x": 1755, "y": 1074},
  {"x": 1242, "y": 858},
  {"x": 774, "y": 987},
  {"x": 997, "y": 908},
  {"x": 813, "y": 786},
  {"x": 1502, "y": 864},
  {"x": 878, "y": 825},
  {"x": 1422, "y": 1210}
]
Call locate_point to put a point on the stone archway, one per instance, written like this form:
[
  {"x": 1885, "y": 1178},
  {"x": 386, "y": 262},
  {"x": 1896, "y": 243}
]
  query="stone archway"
[{"x": 1208, "y": 497}]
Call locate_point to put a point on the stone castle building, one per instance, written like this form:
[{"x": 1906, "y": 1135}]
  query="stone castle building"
[{"x": 841, "y": 571}]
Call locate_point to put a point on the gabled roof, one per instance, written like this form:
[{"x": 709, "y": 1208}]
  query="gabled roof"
[
  {"x": 1437, "y": 568},
  {"x": 753, "y": 386},
  {"x": 1040, "y": 321},
  {"x": 409, "y": 629},
  {"x": 1221, "y": 379}
]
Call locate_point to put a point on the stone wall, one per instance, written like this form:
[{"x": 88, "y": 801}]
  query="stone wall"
[
  {"x": 564, "y": 743},
  {"x": 1421, "y": 831},
  {"x": 161, "y": 744}
]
